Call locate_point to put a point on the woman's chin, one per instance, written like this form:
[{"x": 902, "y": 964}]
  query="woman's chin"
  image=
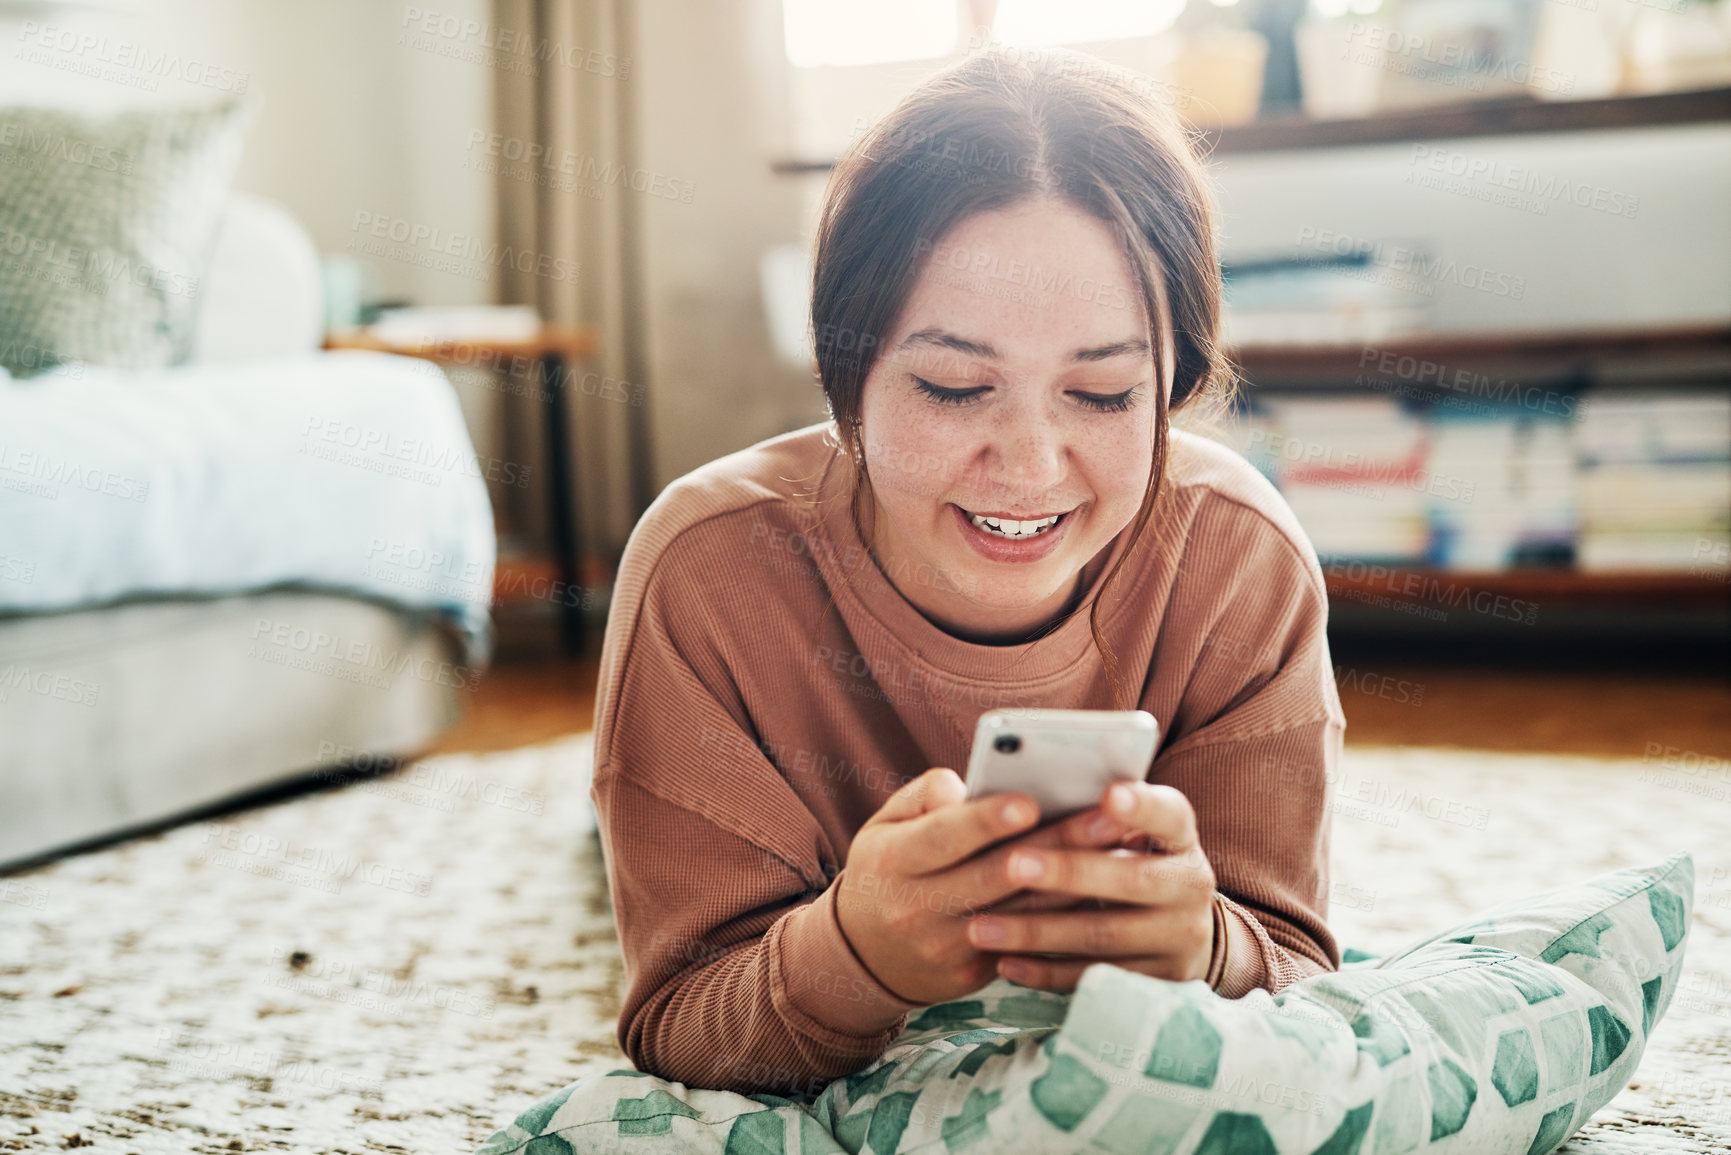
[{"x": 994, "y": 605}]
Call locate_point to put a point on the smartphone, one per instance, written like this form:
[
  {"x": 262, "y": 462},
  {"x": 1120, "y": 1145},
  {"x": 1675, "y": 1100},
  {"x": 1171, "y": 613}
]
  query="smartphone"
[{"x": 1064, "y": 759}]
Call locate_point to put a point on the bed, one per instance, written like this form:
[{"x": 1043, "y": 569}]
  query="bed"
[{"x": 221, "y": 576}]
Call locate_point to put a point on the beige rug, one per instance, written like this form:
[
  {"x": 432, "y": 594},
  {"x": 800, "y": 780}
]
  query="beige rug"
[{"x": 403, "y": 964}]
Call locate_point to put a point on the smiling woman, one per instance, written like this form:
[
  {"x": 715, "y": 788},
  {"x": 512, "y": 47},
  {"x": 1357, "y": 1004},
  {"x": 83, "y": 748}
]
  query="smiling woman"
[
  {"x": 1045, "y": 417},
  {"x": 1024, "y": 235},
  {"x": 1015, "y": 285}
]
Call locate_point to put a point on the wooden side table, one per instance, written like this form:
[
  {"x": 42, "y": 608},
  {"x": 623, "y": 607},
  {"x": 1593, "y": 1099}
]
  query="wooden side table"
[{"x": 549, "y": 350}]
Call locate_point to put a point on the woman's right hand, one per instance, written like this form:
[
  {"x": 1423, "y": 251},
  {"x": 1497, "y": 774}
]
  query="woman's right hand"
[{"x": 922, "y": 867}]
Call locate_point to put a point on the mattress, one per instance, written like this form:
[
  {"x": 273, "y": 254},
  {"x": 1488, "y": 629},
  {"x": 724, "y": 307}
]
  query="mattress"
[
  {"x": 342, "y": 471},
  {"x": 118, "y": 719}
]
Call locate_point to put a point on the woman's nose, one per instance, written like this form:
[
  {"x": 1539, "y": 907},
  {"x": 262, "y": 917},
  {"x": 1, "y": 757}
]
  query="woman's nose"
[{"x": 1027, "y": 452}]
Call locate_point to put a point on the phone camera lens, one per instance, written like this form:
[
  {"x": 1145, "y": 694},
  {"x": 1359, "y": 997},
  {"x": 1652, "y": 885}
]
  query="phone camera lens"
[{"x": 1007, "y": 744}]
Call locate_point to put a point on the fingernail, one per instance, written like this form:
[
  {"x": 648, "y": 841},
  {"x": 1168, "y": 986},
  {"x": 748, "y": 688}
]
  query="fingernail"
[
  {"x": 1102, "y": 827},
  {"x": 1121, "y": 798},
  {"x": 1026, "y": 868},
  {"x": 1017, "y": 813},
  {"x": 987, "y": 932}
]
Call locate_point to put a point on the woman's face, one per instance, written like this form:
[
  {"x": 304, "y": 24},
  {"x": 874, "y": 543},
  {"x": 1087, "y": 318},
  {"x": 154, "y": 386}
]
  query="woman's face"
[{"x": 1016, "y": 387}]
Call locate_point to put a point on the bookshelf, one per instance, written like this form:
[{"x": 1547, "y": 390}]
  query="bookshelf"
[
  {"x": 1695, "y": 356},
  {"x": 1687, "y": 355},
  {"x": 1549, "y": 587},
  {"x": 1503, "y": 116},
  {"x": 1499, "y": 117}
]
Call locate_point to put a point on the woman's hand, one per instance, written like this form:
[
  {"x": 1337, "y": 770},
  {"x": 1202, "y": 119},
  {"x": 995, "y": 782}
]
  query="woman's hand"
[
  {"x": 1156, "y": 913},
  {"x": 922, "y": 868}
]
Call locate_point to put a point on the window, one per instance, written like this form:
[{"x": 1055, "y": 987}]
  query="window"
[
  {"x": 1330, "y": 9},
  {"x": 843, "y": 32},
  {"x": 1042, "y": 22},
  {"x": 822, "y": 33}
]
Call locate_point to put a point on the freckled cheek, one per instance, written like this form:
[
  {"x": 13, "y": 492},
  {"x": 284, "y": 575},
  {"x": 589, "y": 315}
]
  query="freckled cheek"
[
  {"x": 1118, "y": 475},
  {"x": 906, "y": 453}
]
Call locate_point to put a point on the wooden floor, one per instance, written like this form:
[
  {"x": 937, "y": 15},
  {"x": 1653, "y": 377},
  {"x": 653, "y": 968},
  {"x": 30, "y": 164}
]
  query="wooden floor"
[
  {"x": 1576, "y": 712},
  {"x": 1616, "y": 715},
  {"x": 521, "y": 703}
]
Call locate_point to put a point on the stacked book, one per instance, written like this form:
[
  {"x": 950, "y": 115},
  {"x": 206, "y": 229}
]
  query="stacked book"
[
  {"x": 1616, "y": 481},
  {"x": 1504, "y": 482},
  {"x": 1655, "y": 481},
  {"x": 1323, "y": 299},
  {"x": 1352, "y": 468}
]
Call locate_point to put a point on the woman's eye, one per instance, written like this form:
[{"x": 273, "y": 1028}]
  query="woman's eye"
[
  {"x": 948, "y": 396},
  {"x": 1107, "y": 402}
]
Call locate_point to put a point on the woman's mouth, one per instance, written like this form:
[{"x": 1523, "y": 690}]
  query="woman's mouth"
[
  {"x": 1014, "y": 528},
  {"x": 1013, "y": 535}
]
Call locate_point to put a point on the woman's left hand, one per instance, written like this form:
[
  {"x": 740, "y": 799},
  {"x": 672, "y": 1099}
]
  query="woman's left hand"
[{"x": 1154, "y": 909}]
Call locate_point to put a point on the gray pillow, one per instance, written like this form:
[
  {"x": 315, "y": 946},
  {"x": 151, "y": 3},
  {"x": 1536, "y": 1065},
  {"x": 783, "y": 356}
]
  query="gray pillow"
[{"x": 106, "y": 228}]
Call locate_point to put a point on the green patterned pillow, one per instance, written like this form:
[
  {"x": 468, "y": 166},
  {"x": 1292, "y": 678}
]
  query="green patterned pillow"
[
  {"x": 106, "y": 228},
  {"x": 1502, "y": 1035}
]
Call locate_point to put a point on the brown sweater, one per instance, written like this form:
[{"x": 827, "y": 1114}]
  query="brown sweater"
[{"x": 764, "y": 688}]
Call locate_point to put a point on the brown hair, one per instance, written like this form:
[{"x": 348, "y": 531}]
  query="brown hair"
[{"x": 997, "y": 129}]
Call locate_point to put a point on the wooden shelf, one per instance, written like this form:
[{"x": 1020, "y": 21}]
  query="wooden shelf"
[
  {"x": 1504, "y": 116},
  {"x": 1354, "y": 582},
  {"x": 570, "y": 341},
  {"x": 1556, "y": 353}
]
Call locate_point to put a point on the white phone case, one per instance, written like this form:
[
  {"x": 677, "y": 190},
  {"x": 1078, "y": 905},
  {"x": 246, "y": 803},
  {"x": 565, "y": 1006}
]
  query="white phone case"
[{"x": 1065, "y": 759}]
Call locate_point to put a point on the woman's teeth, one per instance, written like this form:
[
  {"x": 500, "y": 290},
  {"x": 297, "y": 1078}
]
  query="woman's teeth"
[{"x": 1007, "y": 527}]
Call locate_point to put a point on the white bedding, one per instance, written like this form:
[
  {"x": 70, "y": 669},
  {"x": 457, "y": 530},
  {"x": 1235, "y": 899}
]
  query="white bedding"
[{"x": 344, "y": 471}]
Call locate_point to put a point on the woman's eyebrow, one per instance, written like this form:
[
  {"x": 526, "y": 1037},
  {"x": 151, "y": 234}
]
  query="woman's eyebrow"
[
  {"x": 946, "y": 340},
  {"x": 1137, "y": 348}
]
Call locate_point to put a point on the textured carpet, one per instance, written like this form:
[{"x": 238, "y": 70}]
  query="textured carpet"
[{"x": 402, "y": 964}]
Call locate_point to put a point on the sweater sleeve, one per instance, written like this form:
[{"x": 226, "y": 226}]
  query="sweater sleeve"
[
  {"x": 739, "y": 976},
  {"x": 1271, "y": 870},
  {"x": 723, "y": 886},
  {"x": 1257, "y": 756}
]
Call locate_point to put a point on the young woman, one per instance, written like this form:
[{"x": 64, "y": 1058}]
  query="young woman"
[{"x": 1016, "y": 285}]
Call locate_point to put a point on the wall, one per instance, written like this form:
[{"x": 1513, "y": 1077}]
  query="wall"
[
  {"x": 714, "y": 110},
  {"x": 350, "y": 119},
  {"x": 1577, "y": 230}
]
